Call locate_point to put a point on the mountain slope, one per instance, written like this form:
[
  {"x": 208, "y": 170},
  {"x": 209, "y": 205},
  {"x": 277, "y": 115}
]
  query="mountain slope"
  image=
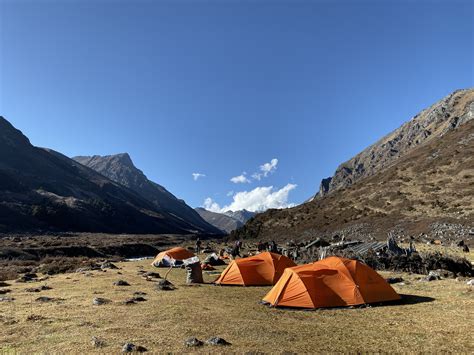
[
  {"x": 220, "y": 220},
  {"x": 241, "y": 215},
  {"x": 429, "y": 184},
  {"x": 432, "y": 123},
  {"x": 120, "y": 168},
  {"x": 43, "y": 189}
]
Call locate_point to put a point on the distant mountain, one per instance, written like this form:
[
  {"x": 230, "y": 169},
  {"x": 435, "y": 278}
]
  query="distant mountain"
[
  {"x": 220, "y": 220},
  {"x": 416, "y": 179},
  {"x": 120, "y": 169},
  {"x": 241, "y": 215},
  {"x": 41, "y": 189}
]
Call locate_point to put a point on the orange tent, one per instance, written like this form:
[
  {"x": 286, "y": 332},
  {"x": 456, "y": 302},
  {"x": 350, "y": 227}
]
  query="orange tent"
[
  {"x": 259, "y": 270},
  {"x": 331, "y": 282},
  {"x": 178, "y": 253}
]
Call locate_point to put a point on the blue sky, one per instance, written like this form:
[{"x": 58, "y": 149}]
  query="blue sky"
[{"x": 221, "y": 88}]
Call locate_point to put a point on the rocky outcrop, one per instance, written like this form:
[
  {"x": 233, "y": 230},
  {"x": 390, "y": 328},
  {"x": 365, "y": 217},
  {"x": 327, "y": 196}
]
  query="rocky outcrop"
[{"x": 432, "y": 123}]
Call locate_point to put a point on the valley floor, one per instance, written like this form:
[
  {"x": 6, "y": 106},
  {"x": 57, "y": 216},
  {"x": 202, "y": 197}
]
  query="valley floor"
[{"x": 436, "y": 316}]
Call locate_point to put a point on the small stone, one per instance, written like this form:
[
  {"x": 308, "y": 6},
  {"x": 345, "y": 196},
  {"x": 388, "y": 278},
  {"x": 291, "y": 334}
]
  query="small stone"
[
  {"x": 4, "y": 291},
  {"x": 4, "y": 284},
  {"x": 470, "y": 282},
  {"x": 121, "y": 283},
  {"x": 32, "y": 289},
  {"x": 129, "y": 301},
  {"x": 394, "y": 280},
  {"x": 130, "y": 347},
  {"x": 100, "y": 301},
  {"x": 152, "y": 275},
  {"x": 217, "y": 341},
  {"x": 139, "y": 293},
  {"x": 97, "y": 342},
  {"x": 191, "y": 342},
  {"x": 44, "y": 299},
  {"x": 139, "y": 299},
  {"x": 6, "y": 299},
  {"x": 165, "y": 285},
  {"x": 34, "y": 318}
]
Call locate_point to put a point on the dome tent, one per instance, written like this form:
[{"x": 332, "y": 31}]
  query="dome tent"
[
  {"x": 258, "y": 270},
  {"x": 167, "y": 257},
  {"x": 331, "y": 282}
]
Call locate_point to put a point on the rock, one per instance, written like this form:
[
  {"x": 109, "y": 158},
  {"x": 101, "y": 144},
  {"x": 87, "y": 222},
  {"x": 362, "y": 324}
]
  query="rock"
[
  {"x": 27, "y": 277},
  {"x": 217, "y": 341},
  {"x": 4, "y": 284},
  {"x": 394, "y": 280},
  {"x": 470, "y": 282},
  {"x": 139, "y": 299},
  {"x": 130, "y": 347},
  {"x": 100, "y": 301},
  {"x": 6, "y": 299},
  {"x": 108, "y": 265},
  {"x": 445, "y": 273},
  {"x": 165, "y": 285},
  {"x": 97, "y": 342},
  {"x": 192, "y": 342},
  {"x": 32, "y": 289},
  {"x": 432, "y": 276},
  {"x": 121, "y": 283},
  {"x": 152, "y": 274},
  {"x": 44, "y": 299},
  {"x": 129, "y": 301},
  {"x": 34, "y": 318},
  {"x": 139, "y": 293},
  {"x": 5, "y": 291}
]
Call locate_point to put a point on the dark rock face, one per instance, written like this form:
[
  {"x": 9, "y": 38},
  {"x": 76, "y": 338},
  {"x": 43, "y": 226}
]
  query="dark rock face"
[
  {"x": 120, "y": 169},
  {"x": 432, "y": 123},
  {"x": 241, "y": 215}
]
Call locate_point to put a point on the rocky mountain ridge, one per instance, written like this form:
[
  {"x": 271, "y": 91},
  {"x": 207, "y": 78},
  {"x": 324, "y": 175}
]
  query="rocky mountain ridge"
[
  {"x": 120, "y": 169},
  {"x": 431, "y": 123}
]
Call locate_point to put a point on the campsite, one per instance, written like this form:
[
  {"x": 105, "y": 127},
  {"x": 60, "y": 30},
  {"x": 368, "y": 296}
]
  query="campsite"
[{"x": 433, "y": 316}]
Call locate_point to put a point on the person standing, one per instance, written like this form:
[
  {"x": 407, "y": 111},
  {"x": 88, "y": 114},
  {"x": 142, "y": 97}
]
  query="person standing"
[{"x": 198, "y": 246}]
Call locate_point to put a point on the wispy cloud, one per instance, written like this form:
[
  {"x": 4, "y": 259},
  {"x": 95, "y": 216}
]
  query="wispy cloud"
[
  {"x": 230, "y": 193},
  {"x": 241, "y": 179},
  {"x": 257, "y": 200},
  {"x": 197, "y": 176}
]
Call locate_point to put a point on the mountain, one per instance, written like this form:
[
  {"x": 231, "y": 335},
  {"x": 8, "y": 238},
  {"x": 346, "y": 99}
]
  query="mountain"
[
  {"x": 430, "y": 124},
  {"x": 120, "y": 169},
  {"x": 418, "y": 179},
  {"x": 220, "y": 220},
  {"x": 41, "y": 189},
  {"x": 241, "y": 215}
]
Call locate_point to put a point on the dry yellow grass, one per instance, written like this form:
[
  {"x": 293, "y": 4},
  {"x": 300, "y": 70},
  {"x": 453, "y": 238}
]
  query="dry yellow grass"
[{"x": 167, "y": 318}]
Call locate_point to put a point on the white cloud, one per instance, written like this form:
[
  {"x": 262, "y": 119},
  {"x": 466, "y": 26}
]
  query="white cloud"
[
  {"x": 269, "y": 168},
  {"x": 210, "y": 205},
  {"x": 198, "y": 175},
  {"x": 241, "y": 179},
  {"x": 259, "y": 199}
]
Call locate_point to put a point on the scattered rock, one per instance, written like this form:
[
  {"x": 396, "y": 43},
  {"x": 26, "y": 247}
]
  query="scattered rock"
[
  {"x": 97, "y": 342},
  {"x": 4, "y": 284},
  {"x": 139, "y": 299},
  {"x": 129, "y": 301},
  {"x": 394, "y": 280},
  {"x": 152, "y": 275},
  {"x": 6, "y": 299},
  {"x": 130, "y": 347},
  {"x": 165, "y": 285},
  {"x": 121, "y": 283},
  {"x": 44, "y": 299},
  {"x": 100, "y": 301},
  {"x": 139, "y": 293},
  {"x": 432, "y": 276},
  {"x": 34, "y": 318},
  {"x": 108, "y": 265},
  {"x": 5, "y": 291},
  {"x": 192, "y": 342},
  {"x": 32, "y": 289},
  {"x": 27, "y": 277},
  {"x": 470, "y": 282},
  {"x": 217, "y": 341}
]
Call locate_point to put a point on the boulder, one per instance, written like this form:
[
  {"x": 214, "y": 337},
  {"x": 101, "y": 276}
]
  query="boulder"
[
  {"x": 193, "y": 342},
  {"x": 216, "y": 341}
]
